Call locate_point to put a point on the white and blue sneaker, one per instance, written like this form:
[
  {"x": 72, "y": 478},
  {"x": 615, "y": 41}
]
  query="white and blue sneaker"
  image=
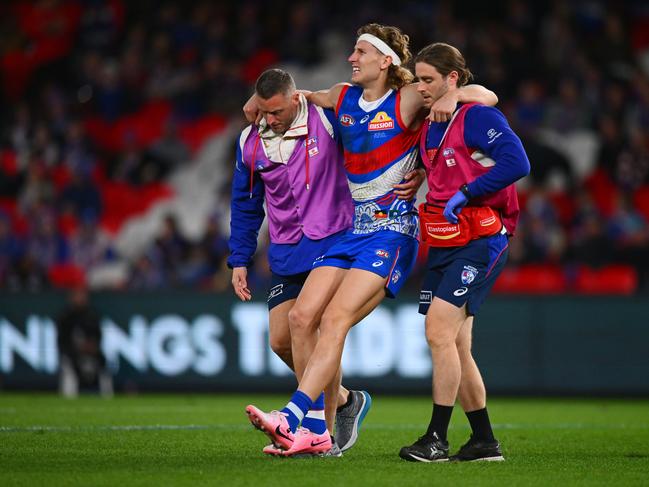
[{"x": 350, "y": 418}]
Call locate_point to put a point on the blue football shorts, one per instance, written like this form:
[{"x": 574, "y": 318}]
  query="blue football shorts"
[
  {"x": 283, "y": 288},
  {"x": 464, "y": 274},
  {"x": 386, "y": 253}
]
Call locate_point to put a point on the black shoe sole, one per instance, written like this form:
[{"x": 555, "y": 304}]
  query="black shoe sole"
[{"x": 414, "y": 458}]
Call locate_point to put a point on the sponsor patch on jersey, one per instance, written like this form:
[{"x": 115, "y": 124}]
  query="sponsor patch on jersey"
[
  {"x": 450, "y": 162},
  {"x": 381, "y": 121},
  {"x": 468, "y": 274},
  {"x": 383, "y": 253},
  {"x": 365, "y": 119},
  {"x": 312, "y": 146},
  {"x": 347, "y": 120}
]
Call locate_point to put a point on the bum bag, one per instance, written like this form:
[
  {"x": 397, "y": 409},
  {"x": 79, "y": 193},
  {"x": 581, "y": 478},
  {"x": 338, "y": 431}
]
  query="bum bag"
[{"x": 474, "y": 222}]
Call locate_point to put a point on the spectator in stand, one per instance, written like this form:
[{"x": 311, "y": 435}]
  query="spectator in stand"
[
  {"x": 632, "y": 168},
  {"x": 567, "y": 111},
  {"x": 301, "y": 41},
  {"x": 44, "y": 148},
  {"x": 222, "y": 87},
  {"x": 146, "y": 273},
  {"x": 38, "y": 189},
  {"x": 588, "y": 244},
  {"x": 544, "y": 240},
  {"x": 101, "y": 24},
  {"x": 89, "y": 246},
  {"x": 81, "y": 196},
  {"x": 79, "y": 155},
  {"x": 214, "y": 243},
  {"x": 628, "y": 231},
  {"x": 529, "y": 108},
  {"x": 613, "y": 142},
  {"x": 44, "y": 243},
  {"x": 10, "y": 248},
  {"x": 169, "y": 151},
  {"x": 173, "y": 248}
]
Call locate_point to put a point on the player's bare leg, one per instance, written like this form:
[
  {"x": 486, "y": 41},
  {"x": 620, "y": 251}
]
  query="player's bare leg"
[
  {"x": 332, "y": 394},
  {"x": 471, "y": 394},
  {"x": 304, "y": 321},
  {"x": 304, "y": 317},
  {"x": 279, "y": 333},
  {"x": 482, "y": 446},
  {"x": 443, "y": 323},
  {"x": 358, "y": 294}
]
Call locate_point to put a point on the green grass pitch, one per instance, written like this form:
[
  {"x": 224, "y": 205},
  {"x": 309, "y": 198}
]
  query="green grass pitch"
[{"x": 206, "y": 440}]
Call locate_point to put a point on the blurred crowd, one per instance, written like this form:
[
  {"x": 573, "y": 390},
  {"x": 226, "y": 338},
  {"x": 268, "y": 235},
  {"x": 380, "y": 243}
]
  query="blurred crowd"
[{"x": 104, "y": 98}]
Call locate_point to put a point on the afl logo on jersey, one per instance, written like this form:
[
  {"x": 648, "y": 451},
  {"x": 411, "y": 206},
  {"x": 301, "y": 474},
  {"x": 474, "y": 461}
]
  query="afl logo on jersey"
[
  {"x": 347, "y": 120},
  {"x": 381, "y": 121}
]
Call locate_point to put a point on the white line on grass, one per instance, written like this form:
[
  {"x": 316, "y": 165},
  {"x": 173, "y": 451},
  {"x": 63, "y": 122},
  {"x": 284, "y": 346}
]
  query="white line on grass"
[
  {"x": 243, "y": 426},
  {"x": 126, "y": 427}
]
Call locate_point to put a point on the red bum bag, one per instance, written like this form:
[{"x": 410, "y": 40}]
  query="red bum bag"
[{"x": 474, "y": 222}]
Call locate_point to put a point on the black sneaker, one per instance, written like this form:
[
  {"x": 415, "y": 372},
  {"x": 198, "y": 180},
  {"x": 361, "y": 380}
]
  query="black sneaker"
[
  {"x": 426, "y": 449},
  {"x": 479, "y": 451}
]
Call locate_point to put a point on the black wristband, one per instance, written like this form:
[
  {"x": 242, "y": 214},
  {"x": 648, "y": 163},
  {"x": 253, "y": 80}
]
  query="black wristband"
[{"x": 465, "y": 191}]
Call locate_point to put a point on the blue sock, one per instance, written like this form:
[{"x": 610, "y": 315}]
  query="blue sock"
[
  {"x": 315, "y": 419},
  {"x": 296, "y": 409}
]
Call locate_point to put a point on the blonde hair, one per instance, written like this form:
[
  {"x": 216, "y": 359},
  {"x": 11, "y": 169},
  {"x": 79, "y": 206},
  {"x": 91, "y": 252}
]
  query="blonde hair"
[{"x": 398, "y": 76}]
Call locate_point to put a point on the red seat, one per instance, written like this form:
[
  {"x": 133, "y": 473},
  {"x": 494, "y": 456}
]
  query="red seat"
[
  {"x": 531, "y": 279},
  {"x": 195, "y": 133},
  {"x": 66, "y": 276},
  {"x": 641, "y": 200},
  {"x": 564, "y": 205},
  {"x": 612, "y": 279},
  {"x": 603, "y": 191}
]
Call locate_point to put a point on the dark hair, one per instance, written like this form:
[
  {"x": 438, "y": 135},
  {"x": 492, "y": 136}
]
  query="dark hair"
[
  {"x": 445, "y": 58},
  {"x": 398, "y": 76},
  {"x": 274, "y": 81}
]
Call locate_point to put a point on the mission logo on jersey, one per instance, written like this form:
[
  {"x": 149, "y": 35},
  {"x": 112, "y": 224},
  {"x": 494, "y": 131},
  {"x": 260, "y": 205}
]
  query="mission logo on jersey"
[{"x": 381, "y": 121}]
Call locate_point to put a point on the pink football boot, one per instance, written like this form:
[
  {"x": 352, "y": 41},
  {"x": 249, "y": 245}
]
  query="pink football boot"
[
  {"x": 307, "y": 443},
  {"x": 272, "y": 450},
  {"x": 273, "y": 424}
]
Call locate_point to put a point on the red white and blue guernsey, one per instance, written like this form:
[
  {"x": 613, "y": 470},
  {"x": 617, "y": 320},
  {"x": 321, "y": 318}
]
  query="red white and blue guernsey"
[{"x": 379, "y": 150}]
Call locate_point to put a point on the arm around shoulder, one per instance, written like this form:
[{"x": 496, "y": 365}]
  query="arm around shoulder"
[
  {"x": 477, "y": 94},
  {"x": 325, "y": 98}
]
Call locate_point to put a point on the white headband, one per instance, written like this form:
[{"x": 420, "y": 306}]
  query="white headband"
[{"x": 381, "y": 46}]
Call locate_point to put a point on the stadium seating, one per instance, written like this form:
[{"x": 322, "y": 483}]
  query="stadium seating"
[
  {"x": 612, "y": 279},
  {"x": 532, "y": 279}
]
